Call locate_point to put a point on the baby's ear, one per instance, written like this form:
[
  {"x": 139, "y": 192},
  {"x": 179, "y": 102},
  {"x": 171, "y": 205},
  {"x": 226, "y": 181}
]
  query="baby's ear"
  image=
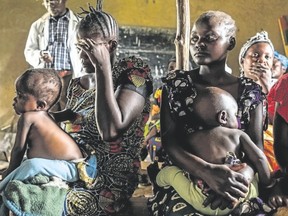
[
  {"x": 222, "y": 117},
  {"x": 41, "y": 105},
  {"x": 232, "y": 43}
]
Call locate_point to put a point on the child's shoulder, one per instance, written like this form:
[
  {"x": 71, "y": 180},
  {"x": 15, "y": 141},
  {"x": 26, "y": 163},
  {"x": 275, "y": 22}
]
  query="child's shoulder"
[{"x": 34, "y": 115}]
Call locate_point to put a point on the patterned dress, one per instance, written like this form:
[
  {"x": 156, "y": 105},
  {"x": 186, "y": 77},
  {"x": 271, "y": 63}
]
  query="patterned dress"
[
  {"x": 118, "y": 161},
  {"x": 181, "y": 94}
]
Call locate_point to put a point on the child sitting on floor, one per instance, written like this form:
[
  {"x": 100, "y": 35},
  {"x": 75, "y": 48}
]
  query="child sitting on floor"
[
  {"x": 50, "y": 151},
  {"x": 219, "y": 142}
]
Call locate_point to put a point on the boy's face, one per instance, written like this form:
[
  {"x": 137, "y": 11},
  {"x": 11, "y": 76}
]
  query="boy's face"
[
  {"x": 209, "y": 42},
  {"x": 232, "y": 121},
  {"x": 23, "y": 102}
]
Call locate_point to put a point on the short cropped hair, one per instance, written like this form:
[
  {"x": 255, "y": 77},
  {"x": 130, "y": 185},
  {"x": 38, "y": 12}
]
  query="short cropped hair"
[{"x": 221, "y": 18}]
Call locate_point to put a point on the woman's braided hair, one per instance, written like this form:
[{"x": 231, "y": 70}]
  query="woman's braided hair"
[{"x": 98, "y": 22}]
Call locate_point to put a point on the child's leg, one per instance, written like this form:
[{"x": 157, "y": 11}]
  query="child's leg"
[
  {"x": 173, "y": 176},
  {"x": 64, "y": 170}
]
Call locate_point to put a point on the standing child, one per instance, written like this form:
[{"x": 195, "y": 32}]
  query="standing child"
[{"x": 50, "y": 151}]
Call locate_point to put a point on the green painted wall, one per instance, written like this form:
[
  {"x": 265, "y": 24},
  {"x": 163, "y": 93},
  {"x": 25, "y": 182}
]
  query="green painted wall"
[{"x": 17, "y": 15}]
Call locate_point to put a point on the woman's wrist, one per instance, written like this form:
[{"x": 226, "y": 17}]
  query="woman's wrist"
[
  {"x": 205, "y": 172},
  {"x": 272, "y": 183}
]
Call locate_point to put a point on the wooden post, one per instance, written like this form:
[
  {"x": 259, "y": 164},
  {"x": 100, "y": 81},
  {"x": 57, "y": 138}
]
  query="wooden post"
[{"x": 182, "y": 39}]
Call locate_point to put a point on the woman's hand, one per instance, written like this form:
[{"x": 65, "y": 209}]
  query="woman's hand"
[
  {"x": 97, "y": 51},
  {"x": 261, "y": 73},
  {"x": 217, "y": 201},
  {"x": 226, "y": 182}
]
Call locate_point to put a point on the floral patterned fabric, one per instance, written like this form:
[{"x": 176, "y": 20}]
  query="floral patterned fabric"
[
  {"x": 117, "y": 162},
  {"x": 181, "y": 94}
]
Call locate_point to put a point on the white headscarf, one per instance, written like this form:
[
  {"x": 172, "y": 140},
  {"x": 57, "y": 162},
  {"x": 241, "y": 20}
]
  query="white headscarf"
[{"x": 260, "y": 37}]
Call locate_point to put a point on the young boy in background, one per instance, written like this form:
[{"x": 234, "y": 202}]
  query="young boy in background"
[{"x": 50, "y": 151}]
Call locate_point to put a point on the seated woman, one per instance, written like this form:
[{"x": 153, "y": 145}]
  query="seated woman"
[
  {"x": 280, "y": 126},
  {"x": 256, "y": 59},
  {"x": 262, "y": 64},
  {"x": 108, "y": 108},
  {"x": 212, "y": 36},
  {"x": 280, "y": 131},
  {"x": 105, "y": 114},
  {"x": 280, "y": 65}
]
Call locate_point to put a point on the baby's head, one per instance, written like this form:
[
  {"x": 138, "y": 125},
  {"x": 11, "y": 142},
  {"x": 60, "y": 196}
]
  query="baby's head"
[
  {"x": 42, "y": 85},
  {"x": 215, "y": 107}
]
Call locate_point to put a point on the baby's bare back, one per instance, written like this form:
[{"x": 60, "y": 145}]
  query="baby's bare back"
[
  {"x": 212, "y": 145},
  {"x": 47, "y": 140}
]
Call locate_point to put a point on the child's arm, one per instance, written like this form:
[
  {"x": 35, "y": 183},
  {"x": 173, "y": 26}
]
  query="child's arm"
[
  {"x": 257, "y": 158},
  {"x": 64, "y": 115},
  {"x": 19, "y": 148}
]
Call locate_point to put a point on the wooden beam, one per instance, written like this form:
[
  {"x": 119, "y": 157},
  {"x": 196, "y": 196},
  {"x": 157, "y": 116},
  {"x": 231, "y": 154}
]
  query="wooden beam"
[{"x": 182, "y": 39}]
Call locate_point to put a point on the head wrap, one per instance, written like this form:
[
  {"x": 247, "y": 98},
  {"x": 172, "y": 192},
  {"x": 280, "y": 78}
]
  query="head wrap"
[
  {"x": 260, "y": 37},
  {"x": 283, "y": 59}
]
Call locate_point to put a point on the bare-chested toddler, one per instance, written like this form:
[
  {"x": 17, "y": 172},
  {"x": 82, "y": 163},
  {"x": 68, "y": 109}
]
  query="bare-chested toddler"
[
  {"x": 50, "y": 150},
  {"x": 220, "y": 142}
]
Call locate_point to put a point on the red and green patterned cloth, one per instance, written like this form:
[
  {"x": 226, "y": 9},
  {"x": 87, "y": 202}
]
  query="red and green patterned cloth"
[{"x": 117, "y": 162}]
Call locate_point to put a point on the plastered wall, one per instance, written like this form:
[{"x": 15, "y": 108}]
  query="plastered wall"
[{"x": 17, "y": 15}]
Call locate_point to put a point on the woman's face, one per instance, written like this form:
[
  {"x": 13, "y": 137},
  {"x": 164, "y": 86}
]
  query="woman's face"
[
  {"x": 258, "y": 54},
  {"x": 55, "y": 7},
  {"x": 209, "y": 42},
  {"x": 278, "y": 69},
  {"x": 87, "y": 66}
]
